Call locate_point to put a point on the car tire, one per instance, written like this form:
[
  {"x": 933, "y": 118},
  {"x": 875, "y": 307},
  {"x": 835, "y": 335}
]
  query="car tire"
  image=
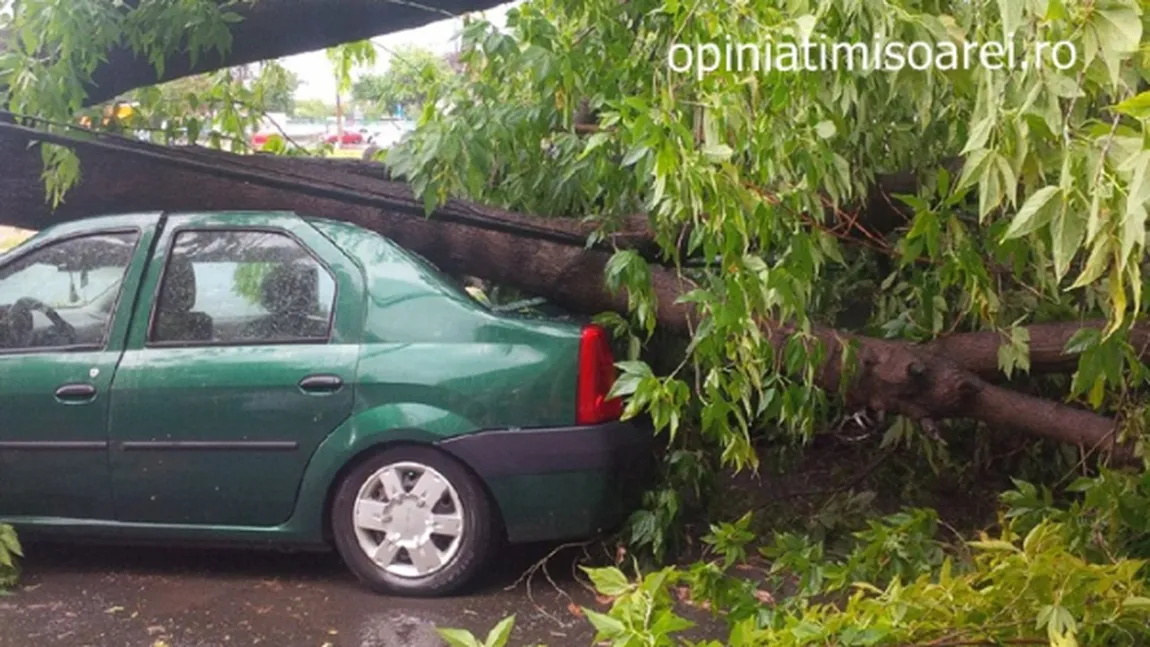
[{"x": 364, "y": 516}]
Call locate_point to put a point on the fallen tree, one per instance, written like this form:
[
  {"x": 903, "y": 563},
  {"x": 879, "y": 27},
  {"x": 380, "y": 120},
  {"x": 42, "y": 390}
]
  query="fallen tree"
[{"x": 943, "y": 379}]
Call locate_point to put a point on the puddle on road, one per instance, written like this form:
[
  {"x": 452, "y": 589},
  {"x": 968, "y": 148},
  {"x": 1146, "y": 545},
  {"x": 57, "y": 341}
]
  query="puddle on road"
[{"x": 398, "y": 629}]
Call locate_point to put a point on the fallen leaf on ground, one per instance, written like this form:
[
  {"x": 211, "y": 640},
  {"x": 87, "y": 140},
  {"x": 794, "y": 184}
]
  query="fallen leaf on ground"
[
  {"x": 684, "y": 594},
  {"x": 764, "y": 596}
]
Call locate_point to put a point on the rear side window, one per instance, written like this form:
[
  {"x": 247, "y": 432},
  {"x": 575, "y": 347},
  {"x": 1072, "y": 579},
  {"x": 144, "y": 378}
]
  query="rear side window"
[{"x": 242, "y": 287}]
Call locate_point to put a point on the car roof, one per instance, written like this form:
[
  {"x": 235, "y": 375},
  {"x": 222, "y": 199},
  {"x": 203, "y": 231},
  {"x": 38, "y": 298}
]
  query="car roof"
[{"x": 140, "y": 220}]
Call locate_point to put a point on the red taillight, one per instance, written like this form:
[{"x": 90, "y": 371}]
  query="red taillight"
[{"x": 596, "y": 377}]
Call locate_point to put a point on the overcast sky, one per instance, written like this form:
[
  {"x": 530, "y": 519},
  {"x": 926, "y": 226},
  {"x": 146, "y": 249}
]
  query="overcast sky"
[{"x": 315, "y": 70}]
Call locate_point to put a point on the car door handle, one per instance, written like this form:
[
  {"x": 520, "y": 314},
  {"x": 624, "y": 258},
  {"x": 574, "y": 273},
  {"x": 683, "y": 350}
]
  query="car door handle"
[
  {"x": 73, "y": 392},
  {"x": 321, "y": 383}
]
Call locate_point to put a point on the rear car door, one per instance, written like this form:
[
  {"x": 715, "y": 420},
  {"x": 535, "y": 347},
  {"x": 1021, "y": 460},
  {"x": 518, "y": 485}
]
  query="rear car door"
[
  {"x": 240, "y": 362},
  {"x": 62, "y": 329}
]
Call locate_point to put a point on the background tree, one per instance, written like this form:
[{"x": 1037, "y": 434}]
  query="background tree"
[
  {"x": 402, "y": 88},
  {"x": 277, "y": 86},
  {"x": 315, "y": 109}
]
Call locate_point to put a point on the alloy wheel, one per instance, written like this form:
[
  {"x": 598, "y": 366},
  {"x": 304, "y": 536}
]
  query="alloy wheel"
[{"x": 408, "y": 519}]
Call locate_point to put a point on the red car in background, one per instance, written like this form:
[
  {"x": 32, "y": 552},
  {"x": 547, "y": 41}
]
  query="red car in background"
[{"x": 349, "y": 137}]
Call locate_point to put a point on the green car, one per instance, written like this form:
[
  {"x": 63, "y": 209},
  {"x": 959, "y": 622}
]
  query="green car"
[{"x": 273, "y": 378}]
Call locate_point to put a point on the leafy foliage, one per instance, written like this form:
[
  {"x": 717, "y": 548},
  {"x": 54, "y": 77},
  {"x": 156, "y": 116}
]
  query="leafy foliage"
[
  {"x": 1050, "y": 574},
  {"x": 758, "y": 170},
  {"x": 404, "y": 84},
  {"x": 10, "y": 551},
  {"x": 54, "y": 47}
]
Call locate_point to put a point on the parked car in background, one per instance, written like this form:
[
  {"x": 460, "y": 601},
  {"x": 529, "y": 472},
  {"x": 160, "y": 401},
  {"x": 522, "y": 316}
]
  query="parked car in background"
[
  {"x": 348, "y": 138},
  {"x": 389, "y": 133},
  {"x": 276, "y": 379}
]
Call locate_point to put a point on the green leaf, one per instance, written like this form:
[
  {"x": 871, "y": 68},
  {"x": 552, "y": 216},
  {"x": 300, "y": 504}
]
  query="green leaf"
[
  {"x": 806, "y": 24},
  {"x": 1096, "y": 263},
  {"x": 1035, "y": 213},
  {"x": 608, "y": 581},
  {"x": 973, "y": 168},
  {"x": 605, "y": 625},
  {"x": 990, "y": 191},
  {"x": 1011, "y": 12},
  {"x": 634, "y": 155},
  {"x": 979, "y": 135},
  {"x": 1137, "y": 106},
  {"x": 666, "y": 622},
  {"x": 1118, "y": 30},
  {"x": 1133, "y": 233},
  {"x": 9, "y": 541},
  {"x": 806, "y": 630},
  {"x": 500, "y": 633},
  {"x": 1137, "y": 602},
  {"x": 593, "y": 142},
  {"x": 458, "y": 638},
  {"x": 1082, "y": 340},
  {"x": 826, "y": 129},
  {"x": 994, "y": 545},
  {"x": 1067, "y": 231},
  {"x": 718, "y": 152}
]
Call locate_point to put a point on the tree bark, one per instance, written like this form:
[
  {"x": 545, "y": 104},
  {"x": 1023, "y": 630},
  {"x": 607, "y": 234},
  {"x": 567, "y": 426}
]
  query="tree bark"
[
  {"x": 934, "y": 381},
  {"x": 275, "y": 28}
]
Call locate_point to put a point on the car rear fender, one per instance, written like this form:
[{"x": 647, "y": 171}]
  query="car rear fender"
[{"x": 363, "y": 432}]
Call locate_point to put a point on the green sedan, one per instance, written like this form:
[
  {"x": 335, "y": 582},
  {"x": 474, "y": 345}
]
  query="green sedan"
[{"x": 270, "y": 378}]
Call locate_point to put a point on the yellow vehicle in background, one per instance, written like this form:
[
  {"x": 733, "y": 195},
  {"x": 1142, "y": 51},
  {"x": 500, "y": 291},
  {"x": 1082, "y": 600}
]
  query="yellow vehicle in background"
[{"x": 115, "y": 113}]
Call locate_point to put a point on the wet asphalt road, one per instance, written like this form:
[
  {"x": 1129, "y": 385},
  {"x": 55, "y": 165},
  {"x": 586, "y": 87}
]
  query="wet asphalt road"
[{"x": 101, "y": 596}]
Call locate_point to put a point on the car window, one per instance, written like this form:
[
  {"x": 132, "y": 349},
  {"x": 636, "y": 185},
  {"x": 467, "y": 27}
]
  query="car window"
[
  {"x": 63, "y": 294},
  {"x": 229, "y": 287}
]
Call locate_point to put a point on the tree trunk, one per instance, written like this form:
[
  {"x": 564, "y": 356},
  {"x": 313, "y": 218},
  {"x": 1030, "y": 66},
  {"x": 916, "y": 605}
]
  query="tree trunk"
[{"x": 547, "y": 257}]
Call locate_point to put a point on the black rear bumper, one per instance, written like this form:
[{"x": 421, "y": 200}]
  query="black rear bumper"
[
  {"x": 561, "y": 483},
  {"x": 521, "y": 452}
]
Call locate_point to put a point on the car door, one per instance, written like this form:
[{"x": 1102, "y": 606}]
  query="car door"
[
  {"x": 61, "y": 335},
  {"x": 241, "y": 361}
]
